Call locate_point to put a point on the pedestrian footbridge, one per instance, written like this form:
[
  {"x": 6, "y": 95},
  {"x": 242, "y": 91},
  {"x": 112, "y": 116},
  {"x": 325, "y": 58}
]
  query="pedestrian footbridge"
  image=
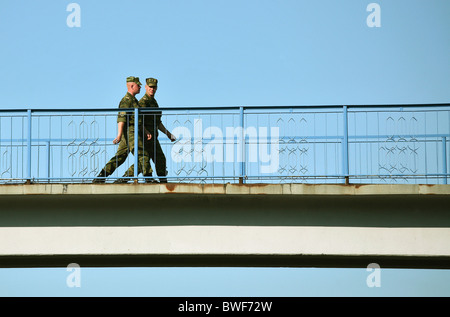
[
  {"x": 255, "y": 186},
  {"x": 226, "y": 225}
]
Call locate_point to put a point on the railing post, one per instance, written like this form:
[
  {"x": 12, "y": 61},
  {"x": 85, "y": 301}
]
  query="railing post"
[
  {"x": 29, "y": 148},
  {"x": 345, "y": 146},
  {"x": 444, "y": 158},
  {"x": 242, "y": 163},
  {"x": 136, "y": 143},
  {"x": 47, "y": 145}
]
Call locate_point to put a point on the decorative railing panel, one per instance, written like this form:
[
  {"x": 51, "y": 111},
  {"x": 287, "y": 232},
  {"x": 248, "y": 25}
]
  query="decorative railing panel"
[{"x": 247, "y": 144}]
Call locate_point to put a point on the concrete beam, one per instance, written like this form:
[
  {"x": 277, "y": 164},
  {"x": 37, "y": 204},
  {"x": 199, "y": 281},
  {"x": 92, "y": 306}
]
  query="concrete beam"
[
  {"x": 224, "y": 189},
  {"x": 225, "y": 225}
]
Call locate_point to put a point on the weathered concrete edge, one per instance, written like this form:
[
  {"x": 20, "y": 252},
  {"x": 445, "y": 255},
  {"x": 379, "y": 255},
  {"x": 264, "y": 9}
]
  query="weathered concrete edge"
[{"x": 224, "y": 189}]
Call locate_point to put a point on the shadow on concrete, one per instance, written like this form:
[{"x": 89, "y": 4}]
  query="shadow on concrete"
[{"x": 232, "y": 210}]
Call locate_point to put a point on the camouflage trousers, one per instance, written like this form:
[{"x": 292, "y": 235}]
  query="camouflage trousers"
[
  {"x": 126, "y": 145},
  {"x": 156, "y": 154}
]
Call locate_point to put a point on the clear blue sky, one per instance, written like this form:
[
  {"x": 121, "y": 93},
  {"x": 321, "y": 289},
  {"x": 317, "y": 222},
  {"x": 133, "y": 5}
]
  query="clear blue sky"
[{"x": 212, "y": 53}]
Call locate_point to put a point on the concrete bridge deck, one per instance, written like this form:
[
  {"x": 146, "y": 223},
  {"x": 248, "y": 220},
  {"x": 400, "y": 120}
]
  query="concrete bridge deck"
[
  {"x": 264, "y": 225},
  {"x": 228, "y": 188}
]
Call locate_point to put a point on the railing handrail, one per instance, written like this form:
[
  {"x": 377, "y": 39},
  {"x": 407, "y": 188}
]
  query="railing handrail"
[
  {"x": 348, "y": 117},
  {"x": 229, "y": 107}
]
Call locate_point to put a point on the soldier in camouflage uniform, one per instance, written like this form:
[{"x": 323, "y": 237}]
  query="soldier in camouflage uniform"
[
  {"x": 152, "y": 122},
  {"x": 125, "y": 138}
]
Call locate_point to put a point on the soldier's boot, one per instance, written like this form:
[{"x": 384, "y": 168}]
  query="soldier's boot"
[
  {"x": 149, "y": 179},
  {"x": 122, "y": 180},
  {"x": 162, "y": 179},
  {"x": 99, "y": 179}
]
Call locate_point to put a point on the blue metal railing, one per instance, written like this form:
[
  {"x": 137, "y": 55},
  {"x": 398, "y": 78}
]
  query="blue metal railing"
[{"x": 246, "y": 144}]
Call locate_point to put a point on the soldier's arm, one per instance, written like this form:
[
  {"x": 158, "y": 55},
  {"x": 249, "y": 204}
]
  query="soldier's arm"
[
  {"x": 120, "y": 126},
  {"x": 147, "y": 134},
  {"x": 124, "y": 103},
  {"x": 163, "y": 129}
]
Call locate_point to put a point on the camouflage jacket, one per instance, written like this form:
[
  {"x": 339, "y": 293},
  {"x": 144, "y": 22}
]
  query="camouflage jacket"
[
  {"x": 151, "y": 120},
  {"x": 129, "y": 101}
]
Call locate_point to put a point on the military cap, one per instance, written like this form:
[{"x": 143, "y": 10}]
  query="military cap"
[
  {"x": 152, "y": 82},
  {"x": 133, "y": 79}
]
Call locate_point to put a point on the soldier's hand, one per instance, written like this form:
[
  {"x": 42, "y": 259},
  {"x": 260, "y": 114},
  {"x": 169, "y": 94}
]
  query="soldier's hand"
[
  {"x": 117, "y": 139},
  {"x": 172, "y": 137},
  {"x": 149, "y": 136}
]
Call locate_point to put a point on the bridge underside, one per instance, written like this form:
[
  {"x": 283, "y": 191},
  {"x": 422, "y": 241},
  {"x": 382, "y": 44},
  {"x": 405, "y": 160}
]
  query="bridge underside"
[
  {"x": 211, "y": 260},
  {"x": 293, "y": 225}
]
